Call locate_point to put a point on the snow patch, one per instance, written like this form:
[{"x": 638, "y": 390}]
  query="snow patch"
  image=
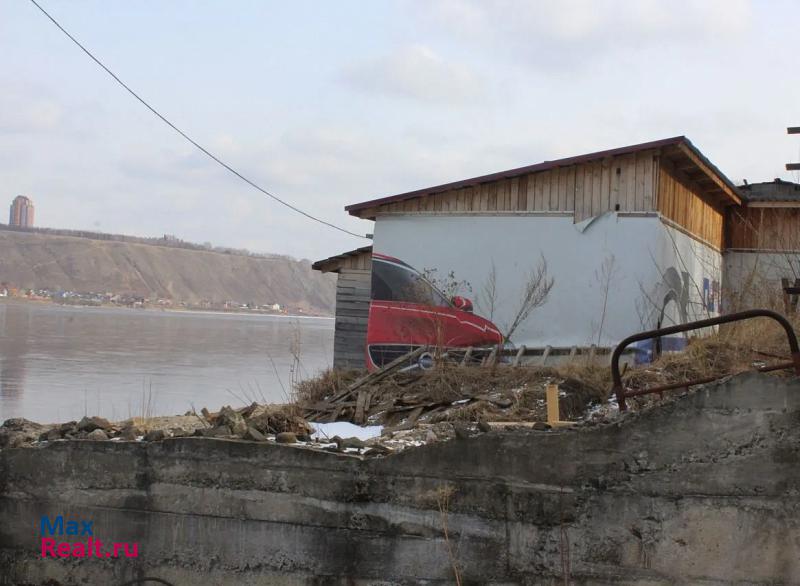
[{"x": 345, "y": 429}]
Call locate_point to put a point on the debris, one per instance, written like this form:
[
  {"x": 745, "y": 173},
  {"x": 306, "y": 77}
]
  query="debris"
[
  {"x": 97, "y": 435},
  {"x": 91, "y": 423},
  {"x": 286, "y": 437},
  {"x": 343, "y": 428},
  {"x": 274, "y": 419},
  {"x": 253, "y": 434},
  {"x": 404, "y": 400},
  {"x": 462, "y": 430},
  {"x": 233, "y": 420},
  {"x": 155, "y": 435},
  {"x": 129, "y": 434},
  {"x": 50, "y": 435},
  {"x": 17, "y": 432},
  {"x": 378, "y": 375},
  {"x": 349, "y": 443},
  {"x": 218, "y": 431}
]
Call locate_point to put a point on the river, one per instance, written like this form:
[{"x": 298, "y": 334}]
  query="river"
[{"x": 60, "y": 363}]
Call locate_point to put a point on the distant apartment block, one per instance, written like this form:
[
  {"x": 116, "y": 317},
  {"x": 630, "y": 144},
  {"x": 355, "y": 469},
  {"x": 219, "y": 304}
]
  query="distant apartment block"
[{"x": 21, "y": 212}]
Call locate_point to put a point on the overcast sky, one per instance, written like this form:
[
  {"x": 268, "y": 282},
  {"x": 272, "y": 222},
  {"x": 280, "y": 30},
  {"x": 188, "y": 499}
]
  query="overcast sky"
[{"x": 332, "y": 103}]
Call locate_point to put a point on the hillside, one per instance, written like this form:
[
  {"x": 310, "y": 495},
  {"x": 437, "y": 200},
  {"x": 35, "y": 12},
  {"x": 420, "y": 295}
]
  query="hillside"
[{"x": 35, "y": 260}]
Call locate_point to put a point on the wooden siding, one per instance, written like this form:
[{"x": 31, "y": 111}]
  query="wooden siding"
[
  {"x": 587, "y": 189},
  {"x": 679, "y": 200},
  {"x": 764, "y": 228},
  {"x": 352, "y": 312},
  {"x": 361, "y": 261}
]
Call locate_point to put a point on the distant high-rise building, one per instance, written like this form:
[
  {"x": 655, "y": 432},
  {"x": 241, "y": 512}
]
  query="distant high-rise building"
[{"x": 21, "y": 212}]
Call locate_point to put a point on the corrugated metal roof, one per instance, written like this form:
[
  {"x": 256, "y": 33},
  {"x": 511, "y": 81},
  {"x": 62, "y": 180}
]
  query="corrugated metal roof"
[
  {"x": 777, "y": 191},
  {"x": 353, "y": 209}
]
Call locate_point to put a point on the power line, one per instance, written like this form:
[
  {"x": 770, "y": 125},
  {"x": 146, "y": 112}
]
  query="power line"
[{"x": 186, "y": 136}]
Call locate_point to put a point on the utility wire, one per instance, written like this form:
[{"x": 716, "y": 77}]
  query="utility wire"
[{"x": 186, "y": 136}]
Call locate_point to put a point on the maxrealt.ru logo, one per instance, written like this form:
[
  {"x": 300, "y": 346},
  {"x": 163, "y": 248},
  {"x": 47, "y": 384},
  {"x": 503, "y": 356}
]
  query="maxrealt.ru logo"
[{"x": 85, "y": 547}]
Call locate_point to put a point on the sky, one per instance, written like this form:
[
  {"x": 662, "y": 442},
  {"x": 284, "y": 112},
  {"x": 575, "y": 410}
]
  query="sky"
[{"x": 331, "y": 103}]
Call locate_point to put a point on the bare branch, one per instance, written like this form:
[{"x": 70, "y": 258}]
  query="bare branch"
[
  {"x": 487, "y": 296},
  {"x": 535, "y": 292}
]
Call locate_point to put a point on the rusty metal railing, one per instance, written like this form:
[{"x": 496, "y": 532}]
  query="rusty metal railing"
[{"x": 620, "y": 391}]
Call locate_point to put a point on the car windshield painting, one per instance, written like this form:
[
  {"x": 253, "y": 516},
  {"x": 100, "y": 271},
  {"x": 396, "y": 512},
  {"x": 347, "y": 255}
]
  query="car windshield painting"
[
  {"x": 396, "y": 281},
  {"x": 407, "y": 312}
]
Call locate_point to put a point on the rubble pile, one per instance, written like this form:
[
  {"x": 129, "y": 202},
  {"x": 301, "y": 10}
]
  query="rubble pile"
[
  {"x": 282, "y": 424},
  {"x": 404, "y": 400},
  {"x": 255, "y": 423}
]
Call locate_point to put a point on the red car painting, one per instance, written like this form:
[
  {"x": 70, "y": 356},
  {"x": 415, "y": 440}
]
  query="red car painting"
[{"x": 407, "y": 311}]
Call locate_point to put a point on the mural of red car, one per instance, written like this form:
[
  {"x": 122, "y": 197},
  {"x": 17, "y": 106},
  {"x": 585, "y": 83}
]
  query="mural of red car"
[{"x": 407, "y": 311}]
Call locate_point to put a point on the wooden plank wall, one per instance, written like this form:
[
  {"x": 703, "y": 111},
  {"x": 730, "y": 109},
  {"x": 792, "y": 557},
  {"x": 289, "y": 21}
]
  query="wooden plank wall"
[
  {"x": 763, "y": 228},
  {"x": 352, "y": 312},
  {"x": 680, "y": 201},
  {"x": 587, "y": 189},
  {"x": 361, "y": 261}
]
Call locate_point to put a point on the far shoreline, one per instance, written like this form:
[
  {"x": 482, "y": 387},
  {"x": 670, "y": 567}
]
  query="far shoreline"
[{"x": 156, "y": 310}]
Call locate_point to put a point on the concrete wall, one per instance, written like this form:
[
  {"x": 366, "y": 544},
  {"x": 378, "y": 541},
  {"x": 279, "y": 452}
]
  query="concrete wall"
[
  {"x": 630, "y": 268},
  {"x": 702, "y": 490}
]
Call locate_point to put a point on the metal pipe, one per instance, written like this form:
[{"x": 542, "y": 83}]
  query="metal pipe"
[{"x": 619, "y": 390}]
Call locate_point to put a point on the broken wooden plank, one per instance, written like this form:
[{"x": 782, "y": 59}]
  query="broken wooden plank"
[
  {"x": 411, "y": 420},
  {"x": 400, "y": 408},
  {"x": 361, "y": 401},
  {"x": 467, "y": 356},
  {"x": 519, "y": 355},
  {"x": 492, "y": 358},
  {"x": 327, "y": 406},
  {"x": 380, "y": 374}
]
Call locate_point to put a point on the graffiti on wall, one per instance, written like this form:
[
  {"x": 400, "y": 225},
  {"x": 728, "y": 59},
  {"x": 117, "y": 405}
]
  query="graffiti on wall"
[{"x": 670, "y": 303}]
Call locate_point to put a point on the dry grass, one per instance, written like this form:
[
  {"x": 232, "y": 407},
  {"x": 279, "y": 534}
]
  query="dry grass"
[
  {"x": 276, "y": 418},
  {"x": 503, "y": 393},
  {"x": 734, "y": 348},
  {"x": 450, "y": 393},
  {"x": 314, "y": 390}
]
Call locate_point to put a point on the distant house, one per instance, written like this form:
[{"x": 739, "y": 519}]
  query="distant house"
[{"x": 634, "y": 238}]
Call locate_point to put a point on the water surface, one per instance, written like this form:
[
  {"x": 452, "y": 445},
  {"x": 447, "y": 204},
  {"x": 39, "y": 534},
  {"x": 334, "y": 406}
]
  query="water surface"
[{"x": 59, "y": 363}]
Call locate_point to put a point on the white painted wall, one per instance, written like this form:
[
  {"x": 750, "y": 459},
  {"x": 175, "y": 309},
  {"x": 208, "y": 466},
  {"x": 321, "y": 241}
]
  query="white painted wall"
[
  {"x": 645, "y": 259},
  {"x": 754, "y": 278}
]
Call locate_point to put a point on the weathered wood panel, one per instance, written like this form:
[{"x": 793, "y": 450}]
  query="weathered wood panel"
[
  {"x": 352, "y": 313},
  {"x": 765, "y": 229},
  {"x": 625, "y": 183},
  {"x": 680, "y": 200}
]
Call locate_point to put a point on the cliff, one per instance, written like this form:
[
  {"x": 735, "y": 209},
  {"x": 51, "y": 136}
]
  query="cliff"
[{"x": 57, "y": 262}]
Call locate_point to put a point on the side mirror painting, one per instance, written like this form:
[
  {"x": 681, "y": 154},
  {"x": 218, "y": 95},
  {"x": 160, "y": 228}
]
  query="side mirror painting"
[{"x": 462, "y": 303}]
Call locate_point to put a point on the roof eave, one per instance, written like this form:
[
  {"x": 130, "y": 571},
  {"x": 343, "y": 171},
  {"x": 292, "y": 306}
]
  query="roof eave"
[
  {"x": 328, "y": 265},
  {"x": 731, "y": 196}
]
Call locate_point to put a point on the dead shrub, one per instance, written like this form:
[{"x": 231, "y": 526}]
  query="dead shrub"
[
  {"x": 273, "y": 419},
  {"x": 313, "y": 390}
]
